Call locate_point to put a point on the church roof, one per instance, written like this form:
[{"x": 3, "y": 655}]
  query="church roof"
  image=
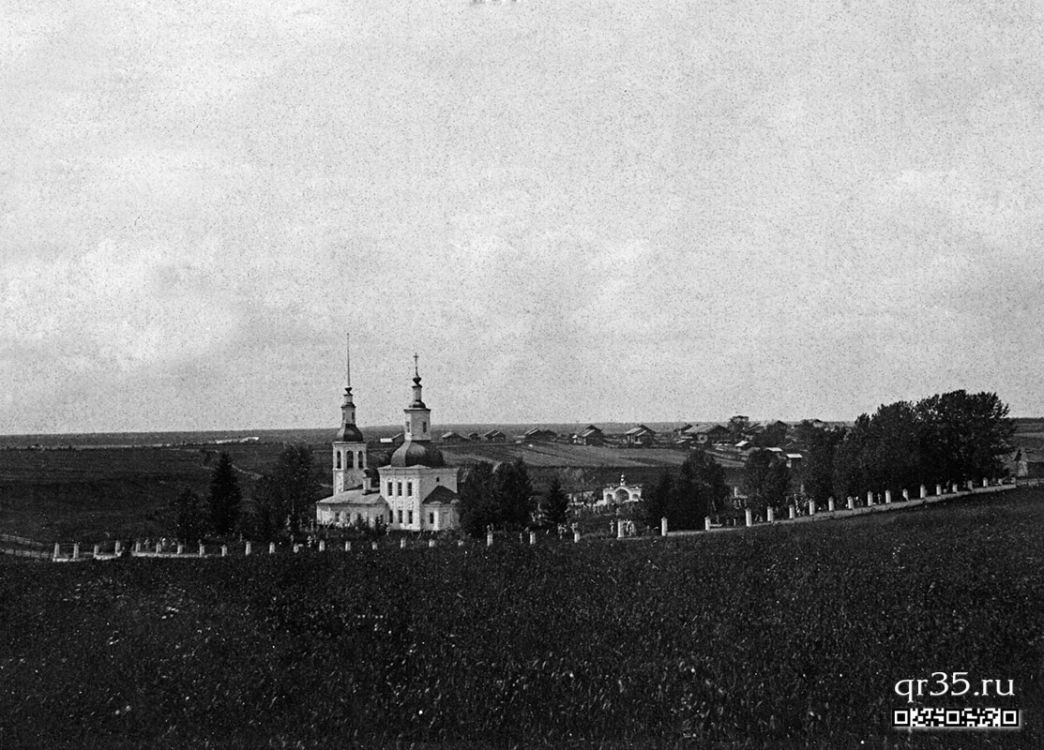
[
  {"x": 417, "y": 453},
  {"x": 441, "y": 495},
  {"x": 354, "y": 497},
  {"x": 349, "y": 433}
]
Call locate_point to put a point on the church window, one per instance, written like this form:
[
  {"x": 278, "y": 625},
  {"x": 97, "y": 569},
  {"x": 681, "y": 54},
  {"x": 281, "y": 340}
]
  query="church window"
[
  {"x": 400, "y": 515},
  {"x": 337, "y": 460},
  {"x": 353, "y": 459},
  {"x": 424, "y": 426},
  {"x": 410, "y": 516},
  {"x": 431, "y": 519},
  {"x": 391, "y": 518},
  {"x": 389, "y": 489},
  {"x": 398, "y": 488},
  {"x": 409, "y": 488}
]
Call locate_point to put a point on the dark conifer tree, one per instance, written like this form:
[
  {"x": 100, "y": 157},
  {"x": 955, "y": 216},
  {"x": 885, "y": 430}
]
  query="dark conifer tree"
[
  {"x": 225, "y": 496},
  {"x": 554, "y": 511}
]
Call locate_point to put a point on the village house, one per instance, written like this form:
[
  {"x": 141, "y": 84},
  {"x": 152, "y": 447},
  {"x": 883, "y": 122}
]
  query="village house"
[
  {"x": 536, "y": 435},
  {"x": 591, "y": 435},
  {"x": 639, "y": 437}
]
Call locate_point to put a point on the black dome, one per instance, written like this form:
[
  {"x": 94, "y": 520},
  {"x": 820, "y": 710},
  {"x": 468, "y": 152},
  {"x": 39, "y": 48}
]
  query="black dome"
[
  {"x": 349, "y": 433},
  {"x": 414, "y": 453}
]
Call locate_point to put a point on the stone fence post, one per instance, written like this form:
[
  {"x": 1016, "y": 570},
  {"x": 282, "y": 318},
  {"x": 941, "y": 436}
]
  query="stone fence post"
[
  {"x": 791, "y": 512},
  {"x": 489, "y": 538},
  {"x": 906, "y": 494},
  {"x": 247, "y": 549},
  {"x": 748, "y": 517},
  {"x": 663, "y": 526},
  {"x": 830, "y": 504},
  {"x": 924, "y": 492},
  {"x": 869, "y": 498},
  {"x": 770, "y": 514},
  {"x": 706, "y": 523},
  {"x": 851, "y": 503},
  {"x": 811, "y": 507},
  {"x": 202, "y": 549},
  {"x": 181, "y": 548},
  {"x": 619, "y": 529},
  {"x": 57, "y": 550},
  {"x": 322, "y": 545},
  {"x": 347, "y": 546},
  {"x": 576, "y": 536},
  {"x": 117, "y": 548},
  {"x": 271, "y": 548},
  {"x": 224, "y": 550},
  {"x": 888, "y": 497},
  {"x": 76, "y": 551}
]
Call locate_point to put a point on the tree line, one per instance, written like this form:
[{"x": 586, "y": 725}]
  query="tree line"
[
  {"x": 283, "y": 501},
  {"x": 948, "y": 437}
]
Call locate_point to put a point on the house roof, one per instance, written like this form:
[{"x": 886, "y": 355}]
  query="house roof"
[
  {"x": 441, "y": 495},
  {"x": 590, "y": 430},
  {"x": 450, "y": 435},
  {"x": 640, "y": 430},
  {"x": 492, "y": 433}
]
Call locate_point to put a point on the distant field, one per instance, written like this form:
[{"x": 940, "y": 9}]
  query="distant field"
[{"x": 785, "y": 637}]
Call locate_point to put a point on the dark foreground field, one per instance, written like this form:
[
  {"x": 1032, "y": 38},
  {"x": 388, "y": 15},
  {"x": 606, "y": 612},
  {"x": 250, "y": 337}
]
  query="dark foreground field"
[{"x": 777, "y": 637}]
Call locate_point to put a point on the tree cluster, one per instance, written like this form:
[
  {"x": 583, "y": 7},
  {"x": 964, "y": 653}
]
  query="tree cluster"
[
  {"x": 499, "y": 497},
  {"x": 684, "y": 497},
  {"x": 766, "y": 480},
  {"x": 949, "y": 437},
  {"x": 283, "y": 501}
]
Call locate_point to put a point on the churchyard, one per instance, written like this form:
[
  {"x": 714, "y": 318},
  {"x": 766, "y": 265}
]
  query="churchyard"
[{"x": 790, "y": 635}]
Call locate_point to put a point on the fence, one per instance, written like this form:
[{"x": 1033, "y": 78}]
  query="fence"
[{"x": 873, "y": 502}]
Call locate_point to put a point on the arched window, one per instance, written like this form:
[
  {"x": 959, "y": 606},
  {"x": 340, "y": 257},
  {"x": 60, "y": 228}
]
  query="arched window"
[
  {"x": 424, "y": 426},
  {"x": 337, "y": 459},
  {"x": 352, "y": 454}
]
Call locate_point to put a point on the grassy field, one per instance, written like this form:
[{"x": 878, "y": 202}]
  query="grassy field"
[{"x": 773, "y": 637}]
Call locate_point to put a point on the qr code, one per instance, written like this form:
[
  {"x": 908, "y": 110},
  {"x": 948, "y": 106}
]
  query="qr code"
[{"x": 924, "y": 717}]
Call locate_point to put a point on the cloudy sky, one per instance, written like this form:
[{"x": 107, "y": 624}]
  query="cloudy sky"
[{"x": 573, "y": 211}]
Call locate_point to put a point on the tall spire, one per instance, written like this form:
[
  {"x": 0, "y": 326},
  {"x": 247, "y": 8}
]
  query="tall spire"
[
  {"x": 348, "y": 371},
  {"x": 417, "y": 400}
]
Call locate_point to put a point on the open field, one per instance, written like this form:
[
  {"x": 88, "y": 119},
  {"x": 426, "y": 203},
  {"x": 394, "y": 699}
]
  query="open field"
[{"x": 772, "y": 637}]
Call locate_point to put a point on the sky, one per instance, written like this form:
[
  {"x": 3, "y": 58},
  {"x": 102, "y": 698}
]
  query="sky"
[{"x": 599, "y": 210}]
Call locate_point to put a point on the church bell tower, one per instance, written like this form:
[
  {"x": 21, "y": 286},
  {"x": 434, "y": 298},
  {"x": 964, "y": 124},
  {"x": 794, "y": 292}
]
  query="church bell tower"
[{"x": 349, "y": 447}]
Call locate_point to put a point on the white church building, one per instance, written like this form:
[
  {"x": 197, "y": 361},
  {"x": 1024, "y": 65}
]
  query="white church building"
[{"x": 415, "y": 492}]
